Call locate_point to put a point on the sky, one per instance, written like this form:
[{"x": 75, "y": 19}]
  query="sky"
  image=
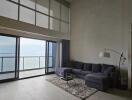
[
  {"x": 28, "y": 47},
  {"x": 32, "y": 47},
  {"x": 7, "y": 46}
]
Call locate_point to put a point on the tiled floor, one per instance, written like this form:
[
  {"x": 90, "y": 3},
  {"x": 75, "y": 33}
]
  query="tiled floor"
[{"x": 40, "y": 89}]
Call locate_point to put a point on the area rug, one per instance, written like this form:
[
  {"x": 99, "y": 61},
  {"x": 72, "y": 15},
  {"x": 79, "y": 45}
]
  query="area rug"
[{"x": 75, "y": 87}]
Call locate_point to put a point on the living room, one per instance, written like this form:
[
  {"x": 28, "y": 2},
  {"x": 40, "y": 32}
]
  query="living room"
[{"x": 69, "y": 49}]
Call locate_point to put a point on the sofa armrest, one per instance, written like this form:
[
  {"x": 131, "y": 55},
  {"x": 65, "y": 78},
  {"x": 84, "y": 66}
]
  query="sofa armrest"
[
  {"x": 108, "y": 72},
  {"x": 114, "y": 79}
]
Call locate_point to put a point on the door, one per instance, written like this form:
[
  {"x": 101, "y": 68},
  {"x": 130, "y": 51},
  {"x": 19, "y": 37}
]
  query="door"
[
  {"x": 32, "y": 57},
  {"x": 8, "y": 64},
  {"x": 51, "y": 51}
]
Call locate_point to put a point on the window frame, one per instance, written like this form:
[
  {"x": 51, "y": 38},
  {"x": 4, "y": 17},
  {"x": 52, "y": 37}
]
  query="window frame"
[{"x": 64, "y": 3}]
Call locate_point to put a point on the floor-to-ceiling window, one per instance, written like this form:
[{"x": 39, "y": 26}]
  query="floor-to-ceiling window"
[
  {"x": 50, "y": 14},
  {"x": 32, "y": 57},
  {"x": 7, "y": 57},
  {"x": 37, "y": 57},
  {"x": 25, "y": 57}
]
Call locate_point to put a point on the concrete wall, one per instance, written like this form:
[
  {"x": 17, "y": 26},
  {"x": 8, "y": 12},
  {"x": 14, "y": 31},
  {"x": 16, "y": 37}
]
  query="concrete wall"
[{"x": 99, "y": 24}]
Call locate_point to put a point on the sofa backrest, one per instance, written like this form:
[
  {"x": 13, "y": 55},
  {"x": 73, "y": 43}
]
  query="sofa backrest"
[
  {"x": 96, "y": 68},
  {"x": 104, "y": 67},
  {"x": 91, "y": 67},
  {"x": 76, "y": 64},
  {"x": 87, "y": 67}
]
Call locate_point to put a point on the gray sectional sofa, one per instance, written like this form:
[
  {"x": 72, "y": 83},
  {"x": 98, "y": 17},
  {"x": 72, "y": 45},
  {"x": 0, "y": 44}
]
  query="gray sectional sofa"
[{"x": 100, "y": 76}]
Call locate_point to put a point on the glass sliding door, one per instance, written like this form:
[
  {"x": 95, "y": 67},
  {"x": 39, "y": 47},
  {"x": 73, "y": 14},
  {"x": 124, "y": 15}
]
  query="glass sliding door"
[
  {"x": 51, "y": 56},
  {"x": 7, "y": 57},
  {"x": 32, "y": 57}
]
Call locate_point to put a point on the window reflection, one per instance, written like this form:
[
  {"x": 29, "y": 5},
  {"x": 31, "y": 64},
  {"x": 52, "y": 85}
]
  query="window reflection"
[
  {"x": 54, "y": 24},
  {"x": 55, "y": 9},
  {"x": 28, "y": 3},
  {"x": 10, "y": 11},
  {"x": 43, "y": 6},
  {"x": 64, "y": 27},
  {"x": 64, "y": 13},
  {"x": 27, "y": 15},
  {"x": 42, "y": 20}
]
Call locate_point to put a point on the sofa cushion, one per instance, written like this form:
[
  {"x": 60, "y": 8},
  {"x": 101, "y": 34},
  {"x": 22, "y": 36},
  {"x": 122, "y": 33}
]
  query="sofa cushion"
[
  {"x": 85, "y": 72},
  {"x": 96, "y": 78},
  {"x": 96, "y": 68},
  {"x": 87, "y": 67},
  {"x": 105, "y": 66}
]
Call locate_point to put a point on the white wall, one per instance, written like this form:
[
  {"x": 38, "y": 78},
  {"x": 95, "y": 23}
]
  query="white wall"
[{"x": 99, "y": 24}]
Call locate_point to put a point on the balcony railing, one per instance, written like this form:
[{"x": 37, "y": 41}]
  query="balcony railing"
[{"x": 7, "y": 64}]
